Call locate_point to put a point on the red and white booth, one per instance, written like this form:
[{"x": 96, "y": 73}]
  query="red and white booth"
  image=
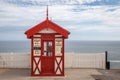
[{"x": 47, "y": 48}]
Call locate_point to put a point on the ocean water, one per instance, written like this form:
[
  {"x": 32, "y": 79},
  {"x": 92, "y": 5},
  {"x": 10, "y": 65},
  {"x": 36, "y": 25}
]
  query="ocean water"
[{"x": 113, "y": 48}]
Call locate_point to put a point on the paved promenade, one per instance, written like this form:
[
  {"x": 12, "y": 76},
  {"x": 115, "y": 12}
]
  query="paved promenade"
[{"x": 70, "y": 74}]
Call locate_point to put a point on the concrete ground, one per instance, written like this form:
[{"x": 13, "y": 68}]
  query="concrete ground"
[
  {"x": 113, "y": 74},
  {"x": 70, "y": 74}
]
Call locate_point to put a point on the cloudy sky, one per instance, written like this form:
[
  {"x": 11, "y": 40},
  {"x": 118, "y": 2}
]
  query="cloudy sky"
[{"x": 85, "y": 19}]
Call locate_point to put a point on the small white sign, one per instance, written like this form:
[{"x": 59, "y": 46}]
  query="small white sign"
[{"x": 58, "y": 46}]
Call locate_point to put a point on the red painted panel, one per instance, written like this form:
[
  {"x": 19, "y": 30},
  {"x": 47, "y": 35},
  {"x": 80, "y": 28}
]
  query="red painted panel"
[
  {"x": 47, "y": 66},
  {"x": 47, "y": 58}
]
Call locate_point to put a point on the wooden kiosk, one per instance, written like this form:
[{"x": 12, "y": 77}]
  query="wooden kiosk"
[{"x": 47, "y": 48}]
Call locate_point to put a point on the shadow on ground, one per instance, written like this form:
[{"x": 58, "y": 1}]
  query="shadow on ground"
[{"x": 108, "y": 75}]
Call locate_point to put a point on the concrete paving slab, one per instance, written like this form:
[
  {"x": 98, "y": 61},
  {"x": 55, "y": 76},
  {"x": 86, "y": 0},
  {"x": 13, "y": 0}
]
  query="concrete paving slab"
[{"x": 70, "y": 74}]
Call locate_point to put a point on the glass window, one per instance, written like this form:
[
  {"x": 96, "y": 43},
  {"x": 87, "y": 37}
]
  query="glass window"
[
  {"x": 45, "y": 48},
  {"x": 49, "y": 48}
]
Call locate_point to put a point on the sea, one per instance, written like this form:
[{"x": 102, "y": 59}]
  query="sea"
[{"x": 71, "y": 46}]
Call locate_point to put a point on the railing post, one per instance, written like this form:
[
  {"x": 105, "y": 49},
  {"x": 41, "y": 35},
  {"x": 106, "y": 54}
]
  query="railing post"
[{"x": 107, "y": 62}]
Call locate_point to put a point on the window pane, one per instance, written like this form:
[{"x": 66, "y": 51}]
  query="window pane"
[
  {"x": 45, "y": 45},
  {"x": 45, "y": 53},
  {"x": 45, "y": 48},
  {"x": 50, "y": 49}
]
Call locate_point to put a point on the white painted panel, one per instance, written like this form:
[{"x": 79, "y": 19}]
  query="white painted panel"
[
  {"x": 77, "y": 60},
  {"x": 55, "y": 65},
  {"x": 58, "y": 59},
  {"x": 36, "y": 59},
  {"x": 61, "y": 65},
  {"x": 47, "y": 30},
  {"x": 39, "y": 65},
  {"x": 34, "y": 65},
  {"x": 72, "y": 60},
  {"x": 37, "y": 72},
  {"x": 58, "y": 72},
  {"x": 36, "y": 35},
  {"x": 15, "y": 60},
  {"x": 58, "y": 35},
  {"x": 68, "y": 60}
]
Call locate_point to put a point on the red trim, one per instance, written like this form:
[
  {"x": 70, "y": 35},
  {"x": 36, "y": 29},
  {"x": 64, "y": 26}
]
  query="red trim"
[
  {"x": 47, "y": 24},
  {"x": 36, "y": 63},
  {"x": 58, "y": 64},
  {"x": 63, "y": 55},
  {"x": 32, "y": 56}
]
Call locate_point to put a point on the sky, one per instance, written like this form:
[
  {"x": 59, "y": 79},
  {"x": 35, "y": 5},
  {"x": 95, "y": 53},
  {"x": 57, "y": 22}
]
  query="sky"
[{"x": 85, "y": 19}]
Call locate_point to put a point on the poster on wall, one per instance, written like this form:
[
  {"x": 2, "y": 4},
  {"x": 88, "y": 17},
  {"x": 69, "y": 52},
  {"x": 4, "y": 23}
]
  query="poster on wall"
[
  {"x": 37, "y": 46},
  {"x": 58, "y": 46}
]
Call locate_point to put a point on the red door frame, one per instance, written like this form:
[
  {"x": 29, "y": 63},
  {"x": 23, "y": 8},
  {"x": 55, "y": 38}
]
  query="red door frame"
[
  {"x": 47, "y": 37},
  {"x": 50, "y": 63}
]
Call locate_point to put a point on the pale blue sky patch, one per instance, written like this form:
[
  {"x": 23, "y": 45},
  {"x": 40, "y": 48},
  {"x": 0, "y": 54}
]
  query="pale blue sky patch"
[{"x": 85, "y": 19}]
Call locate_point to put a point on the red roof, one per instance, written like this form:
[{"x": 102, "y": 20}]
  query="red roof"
[{"x": 47, "y": 24}]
